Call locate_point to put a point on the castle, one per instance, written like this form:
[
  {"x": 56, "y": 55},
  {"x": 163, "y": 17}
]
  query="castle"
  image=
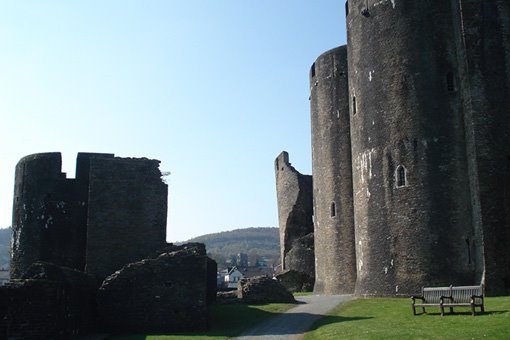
[
  {"x": 90, "y": 252},
  {"x": 113, "y": 213},
  {"x": 410, "y": 150}
]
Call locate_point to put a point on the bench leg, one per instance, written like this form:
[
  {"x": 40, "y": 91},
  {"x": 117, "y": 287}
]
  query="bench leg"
[
  {"x": 482, "y": 309},
  {"x": 451, "y": 310},
  {"x": 473, "y": 310},
  {"x": 442, "y": 310},
  {"x": 423, "y": 310},
  {"x": 414, "y": 310}
]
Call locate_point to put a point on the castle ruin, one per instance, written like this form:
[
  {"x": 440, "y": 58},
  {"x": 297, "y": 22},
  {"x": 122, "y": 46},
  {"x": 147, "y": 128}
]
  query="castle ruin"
[
  {"x": 89, "y": 253},
  {"x": 411, "y": 149}
]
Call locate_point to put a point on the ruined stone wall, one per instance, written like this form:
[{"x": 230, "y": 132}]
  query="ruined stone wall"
[
  {"x": 49, "y": 215},
  {"x": 45, "y": 309},
  {"x": 112, "y": 213},
  {"x": 335, "y": 258},
  {"x": 127, "y": 213},
  {"x": 165, "y": 294},
  {"x": 484, "y": 65},
  {"x": 31, "y": 310},
  {"x": 294, "y": 197},
  {"x": 412, "y": 203}
]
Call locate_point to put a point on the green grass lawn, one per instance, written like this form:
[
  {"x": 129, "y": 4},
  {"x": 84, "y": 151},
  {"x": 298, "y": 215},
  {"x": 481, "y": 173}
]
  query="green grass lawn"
[
  {"x": 381, "y": 318},
  {"x": 226, "y": 321}
]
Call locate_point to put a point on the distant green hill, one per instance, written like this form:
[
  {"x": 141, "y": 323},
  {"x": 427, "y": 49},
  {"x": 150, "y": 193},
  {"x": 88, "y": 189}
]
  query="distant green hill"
[
  {"x": 260, "y": 244},
  {"x": 5, "y": 240}
]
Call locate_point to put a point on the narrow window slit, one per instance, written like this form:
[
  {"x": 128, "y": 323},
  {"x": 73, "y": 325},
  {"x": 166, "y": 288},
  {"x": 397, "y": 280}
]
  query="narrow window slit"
[
  {"x": 401, "y": 176},
  {"x": 333, "y": 209},
  {"x": 468, "y": 251}
]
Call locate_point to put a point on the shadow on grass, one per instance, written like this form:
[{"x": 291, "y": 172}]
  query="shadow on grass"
[
  {"x": 248, "y": 320},
  {"x": 296, "y": 323},
  {"x": 224, "y": 321},
  {"x": 464, "y": 313},
  {"x": 330, "y": 319}
]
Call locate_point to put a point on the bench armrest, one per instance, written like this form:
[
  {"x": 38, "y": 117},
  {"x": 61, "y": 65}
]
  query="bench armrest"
[
  {"x": 417, "y": 297},
  {"x": 474, "y": 297}
]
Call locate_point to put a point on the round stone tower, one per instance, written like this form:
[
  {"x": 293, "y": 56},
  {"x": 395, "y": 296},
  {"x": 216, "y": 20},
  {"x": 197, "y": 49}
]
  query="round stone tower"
[
  {"x": 484, "y": 45},
  {"x": 49, "y": 215},
  {"x": 412, "y": 203},
  {"x": 335, "y": 263}
]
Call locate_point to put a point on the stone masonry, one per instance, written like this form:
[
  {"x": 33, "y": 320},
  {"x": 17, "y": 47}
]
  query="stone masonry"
[
  {"x": 411, "y": 149},
  {"x": 295, "y": 210}
]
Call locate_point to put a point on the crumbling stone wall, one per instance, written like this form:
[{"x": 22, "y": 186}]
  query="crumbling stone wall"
[
  {"x": 263, "y": 289},
  {"x": 301, "y": 258},
  {"x": 295, "y": 281},
  {"x": 168, "y": 293},
  {"x": 295, "y": 210},
  {"x": 49, "y": 215},
  {"x": 31, "y": 310},
  {"x": 127, "y": 213},
  {"x": 112, "y": 213},
  {"x": 50, "y": 302}
]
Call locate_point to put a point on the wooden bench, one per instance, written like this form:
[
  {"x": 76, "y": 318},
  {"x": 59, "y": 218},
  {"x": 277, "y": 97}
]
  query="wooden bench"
[
  {"x": 464, "y": 296},
  {"x": 460, "y": 296},
  {"x": 430, "y": 297}
]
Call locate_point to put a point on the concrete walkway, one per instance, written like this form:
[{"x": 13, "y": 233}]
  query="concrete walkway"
[{"x": 296, "y": 321}]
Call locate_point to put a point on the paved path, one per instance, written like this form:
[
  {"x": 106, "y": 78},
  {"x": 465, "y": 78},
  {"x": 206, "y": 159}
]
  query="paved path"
[{"x": 296, "y": 321}]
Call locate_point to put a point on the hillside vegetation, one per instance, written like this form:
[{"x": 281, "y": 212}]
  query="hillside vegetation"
[
  {"x": 260, "y": 244},
  {"x": 5, "y": 239}
]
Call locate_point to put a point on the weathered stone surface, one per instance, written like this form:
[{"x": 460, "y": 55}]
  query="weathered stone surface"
[
  {"x": 263, "y": 289},
  {"x": 113, "y": 203},
  {"x": 51, "y": 272},
  {"x": 165, "y": 294},
  {"x": 335, "y": 253},
  {"x": 49, "y": 302},
  {"x": 32, "y": 309},
  {"x": 212, "y": 266},
  {"x": 410, "y": 150},
  {"x": 49, "y": 215},
  {"x": 227, "y": 297},
  {"x": 295, "y": 281},
  {"x": 295, "y": 208},
  {"x": 79, "y": 292},
  {"x": 411, "y": 183},
  {"x": 301, "y": 256},
  {"x": 127, "y": 212}
]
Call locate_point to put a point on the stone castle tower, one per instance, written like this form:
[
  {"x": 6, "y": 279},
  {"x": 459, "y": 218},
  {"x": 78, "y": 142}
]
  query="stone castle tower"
[
  {"x": 113, "y": 213},
  {"x": 411, "y": 148}
]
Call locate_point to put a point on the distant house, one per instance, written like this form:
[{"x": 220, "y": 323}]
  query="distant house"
[
  {"x": 4, "y": 276},
  {"x": 233, "y": 276}
]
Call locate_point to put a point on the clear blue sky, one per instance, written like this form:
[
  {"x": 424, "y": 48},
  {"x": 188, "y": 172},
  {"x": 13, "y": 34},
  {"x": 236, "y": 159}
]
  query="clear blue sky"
[{"x": 213, "y": 89}]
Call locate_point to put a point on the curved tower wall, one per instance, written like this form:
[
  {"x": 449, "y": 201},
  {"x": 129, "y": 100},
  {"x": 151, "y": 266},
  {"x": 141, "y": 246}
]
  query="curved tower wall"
[
  {"x": 412, "y": 203},
  {"x": 484, "y": 45},
  {"x": 49, "y": 215},
  {"x": 335, "y": 262},
  {"x": 294, "y": 198}
]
